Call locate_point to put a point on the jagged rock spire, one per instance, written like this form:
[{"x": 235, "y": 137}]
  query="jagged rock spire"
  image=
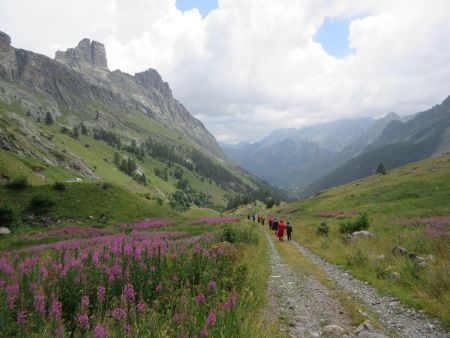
[{"x": 86, "y": 53}]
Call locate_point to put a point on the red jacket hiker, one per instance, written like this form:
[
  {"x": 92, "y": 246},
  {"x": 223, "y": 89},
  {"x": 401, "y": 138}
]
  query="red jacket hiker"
[
  {"x": 270, "y": 221},
  {"x": 281, "y": 227}
]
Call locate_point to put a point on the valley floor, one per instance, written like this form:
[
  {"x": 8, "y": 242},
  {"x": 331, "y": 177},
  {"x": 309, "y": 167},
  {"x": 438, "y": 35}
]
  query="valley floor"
[{"x": 314, "y": 298}]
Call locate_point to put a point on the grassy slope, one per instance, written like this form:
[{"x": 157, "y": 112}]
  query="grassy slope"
[{"x": 393, "y": 201}]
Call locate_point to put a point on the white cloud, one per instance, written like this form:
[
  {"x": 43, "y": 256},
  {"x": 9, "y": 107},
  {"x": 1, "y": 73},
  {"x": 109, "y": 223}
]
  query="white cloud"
[{"x": 251, "y": 66}]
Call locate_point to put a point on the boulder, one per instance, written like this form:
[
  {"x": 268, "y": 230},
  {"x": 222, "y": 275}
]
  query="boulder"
[
  {"x": 381, "y": 257},
  {"x": 399, "y": 251},
  {"x": 4, "y": 231},
  {"x": 395, "y": 276},
  {"x": 333, "y": 331},
  {"x": 365, "y": 326},
  {"x": 362, "y": 233}
]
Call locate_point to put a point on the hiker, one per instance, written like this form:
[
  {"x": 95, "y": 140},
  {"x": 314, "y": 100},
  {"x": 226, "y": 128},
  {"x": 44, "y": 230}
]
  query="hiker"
[
  {"x": 263, "y": 219},
  {"x": 289, "y": 230},
  {"x": 259, "y": 218},
  {"x": 253, "y": 217},
  {"x": 275, "y": 225},
  {"x": 248, "y": 217},
  {"x": 270, "y": 221},
  {"x": 281, "y": 230}
]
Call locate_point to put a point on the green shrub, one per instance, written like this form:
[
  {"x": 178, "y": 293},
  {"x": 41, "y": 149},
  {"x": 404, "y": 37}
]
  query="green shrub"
[
  {"x": 59, "y": 186},
  {"x": 358, "y": 258},
  {"x": 231, "y": 235},
  {"x": 362, "y": 222},
  {"x": 18, "y": 183},
  {"x": 6, "y": 215},
  {"x": 228, "y": 235},
  {"x": 40, "y": 204},
  {"x": 323, "y": 229}
]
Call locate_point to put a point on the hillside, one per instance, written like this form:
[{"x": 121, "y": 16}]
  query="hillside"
[
  {"x": 73, "y": 117},
  {"x": 407, "y": 207}
]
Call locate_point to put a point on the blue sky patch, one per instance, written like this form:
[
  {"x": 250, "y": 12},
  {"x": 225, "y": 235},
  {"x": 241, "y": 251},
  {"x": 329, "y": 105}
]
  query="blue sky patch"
[
  {"x": 333, "y": 36},
  {"x": 204, "y": 6}
]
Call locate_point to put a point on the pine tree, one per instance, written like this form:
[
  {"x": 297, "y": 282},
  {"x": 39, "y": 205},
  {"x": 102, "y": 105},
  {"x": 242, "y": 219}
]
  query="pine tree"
[
  {"x": 83, "y": 128},
  {"x": 49, "y": 118},
  {"x": 116, "y": 159},
  {"x": 381, "y": 169},
  {"x": 76, "y": 133}
]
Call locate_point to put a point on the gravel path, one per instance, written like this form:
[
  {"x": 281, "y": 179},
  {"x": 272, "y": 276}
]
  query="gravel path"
[
  {"x": 393, "y": 315},
  {"x": 303, "y": 305}
]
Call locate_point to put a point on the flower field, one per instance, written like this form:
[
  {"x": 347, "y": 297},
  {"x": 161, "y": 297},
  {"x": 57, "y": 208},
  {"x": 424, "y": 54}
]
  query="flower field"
[
  {"x": 212, "y": 220},
  {"x": 141, "y": 284}
]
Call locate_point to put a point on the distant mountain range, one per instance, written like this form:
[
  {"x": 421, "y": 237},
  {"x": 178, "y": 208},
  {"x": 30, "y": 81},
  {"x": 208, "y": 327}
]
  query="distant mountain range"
[{"x": 321, "y": 156}]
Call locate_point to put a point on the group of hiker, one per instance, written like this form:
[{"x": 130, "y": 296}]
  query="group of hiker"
[{"x": 278, "y": 226}]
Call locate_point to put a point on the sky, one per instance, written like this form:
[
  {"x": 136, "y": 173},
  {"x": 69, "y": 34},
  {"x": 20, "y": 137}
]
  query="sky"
[{"x": 245, "y": 67}]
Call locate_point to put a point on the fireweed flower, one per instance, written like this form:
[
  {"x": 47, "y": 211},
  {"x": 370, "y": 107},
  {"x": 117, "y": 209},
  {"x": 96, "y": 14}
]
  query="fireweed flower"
[
  {"x": 128, "y": 292},
  {"x": 55, "y": 309},
  {"x": 174, "y": 278},
  {"x": 22, "y": 316},
  {"x": 140, "y": 307},
  {"x": 84, "y": 301},
  {"x": 183, "y": 299},
  {"x": 183, "y": 334},
  {"x": 204, "y": 332},
  {"x": 200, "y": 298},
  {"x": 99, "y": 331},
  {"x": 176, "y": 317},
  {"x": 118, "y": 313},
  {"x": 211, "y": 285},
  {"x": 43, "y": 272},
  {"x": 39, "y": 303},
  {"x": 159, "y": 288},
  {"x": 11, "y": 294},
  {"x": 101, "y": 291},
  {"x": 211, "y": 320},
  {"x": 83, "y": 320}
]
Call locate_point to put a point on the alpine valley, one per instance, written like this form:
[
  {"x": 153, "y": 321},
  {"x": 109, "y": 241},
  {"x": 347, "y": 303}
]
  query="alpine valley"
[{"x": 72, "y": 119}]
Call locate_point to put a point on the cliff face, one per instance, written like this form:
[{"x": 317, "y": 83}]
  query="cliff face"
[{"x": 79, "y": 80}]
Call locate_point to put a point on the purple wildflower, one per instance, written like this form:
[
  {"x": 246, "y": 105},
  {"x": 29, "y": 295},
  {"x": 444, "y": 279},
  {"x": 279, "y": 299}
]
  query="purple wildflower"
[
  {"x": 39, "y": 303},
  {"x": 83, "y": 320},
  {"x": 84, "y": 301},
  {"x": 183, "y": 299},
  {"x": 99, "y": 331},
  {"x": 159, "y": 288},
  {"x": 118, "y": 313},
  {"x": 200, "y": 298},
  {"x": 211, "y": 320},
  {"x": 128, "y": 292},
  {"x": 211, "y": 285},
  {"x": 22, "y": 316},
  {"x": 55, "y": 309},
  {"x": 204, "y": 332},
  {"x": 101, "y": 291},
  {"x": 140, "y": 307}
]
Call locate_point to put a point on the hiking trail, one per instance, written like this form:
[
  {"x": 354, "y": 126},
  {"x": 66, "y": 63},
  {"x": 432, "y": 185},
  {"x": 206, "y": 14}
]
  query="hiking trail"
[{"x": 307, "y": 308}]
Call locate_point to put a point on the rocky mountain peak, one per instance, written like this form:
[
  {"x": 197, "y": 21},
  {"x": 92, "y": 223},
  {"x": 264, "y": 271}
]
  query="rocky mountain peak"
[
  {"x": 152, "y": 79},
  {"x": 5, "y": 42},
  {"x": 87, "y": 53}
]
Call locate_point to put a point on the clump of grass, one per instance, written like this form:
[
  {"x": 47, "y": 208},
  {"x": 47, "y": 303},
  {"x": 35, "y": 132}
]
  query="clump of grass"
[{"x": 18, "y": 183}]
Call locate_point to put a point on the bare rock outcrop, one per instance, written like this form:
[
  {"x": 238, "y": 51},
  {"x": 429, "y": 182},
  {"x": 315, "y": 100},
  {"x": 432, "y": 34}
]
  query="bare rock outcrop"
[{"x": 87, "y": 53}]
